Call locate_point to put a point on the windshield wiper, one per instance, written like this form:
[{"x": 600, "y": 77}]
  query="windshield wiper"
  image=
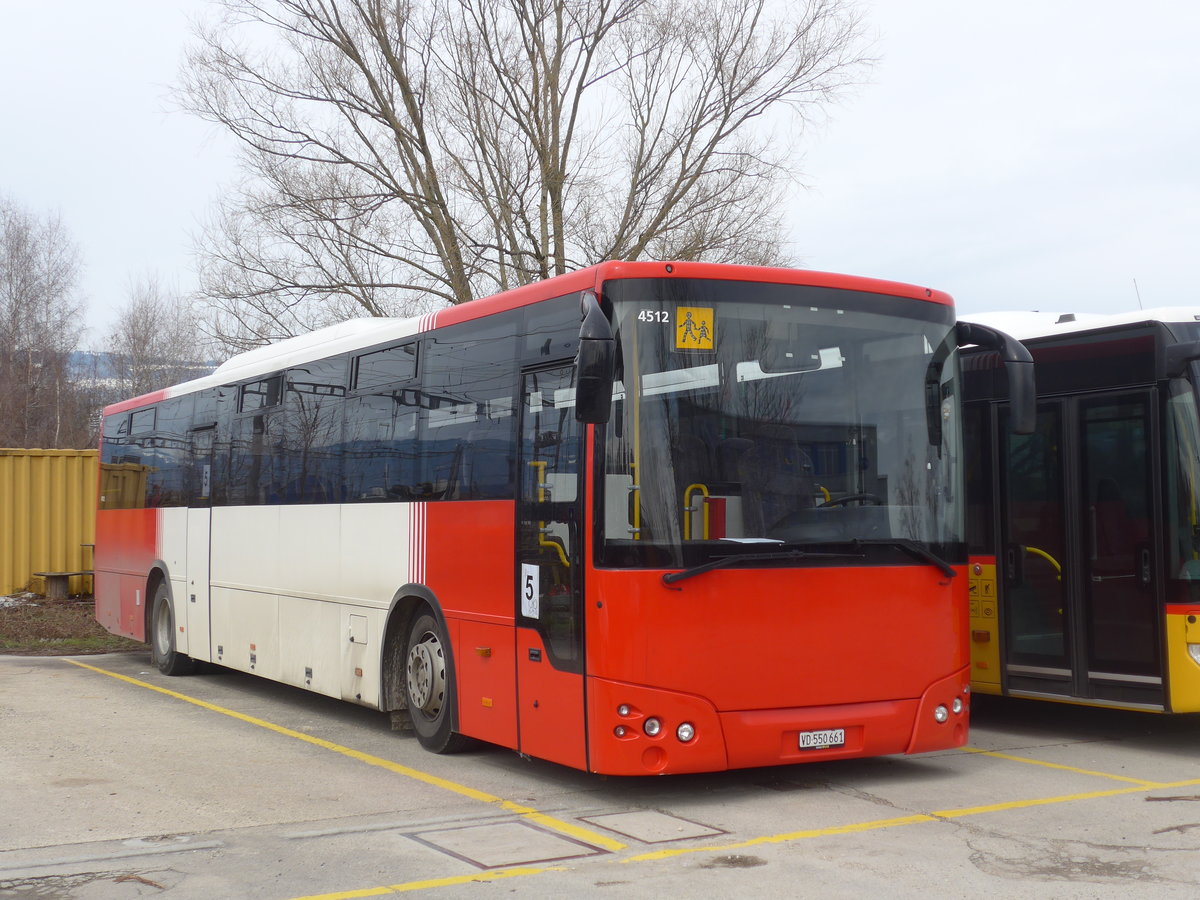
[
  {"x": 722, "y": 561},
  {"x": 912, "y": 548}
]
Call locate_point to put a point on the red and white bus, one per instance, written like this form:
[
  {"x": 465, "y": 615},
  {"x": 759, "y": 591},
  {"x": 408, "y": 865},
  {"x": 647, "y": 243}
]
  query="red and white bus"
[{"x": 718, "y": 524}]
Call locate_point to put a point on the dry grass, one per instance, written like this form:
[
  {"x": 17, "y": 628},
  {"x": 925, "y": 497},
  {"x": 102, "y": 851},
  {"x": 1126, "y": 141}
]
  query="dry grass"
[{"x": 35, "y": 626}]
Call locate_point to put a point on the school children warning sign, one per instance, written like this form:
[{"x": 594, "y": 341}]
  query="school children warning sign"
[{"x": 695, "y": 328}]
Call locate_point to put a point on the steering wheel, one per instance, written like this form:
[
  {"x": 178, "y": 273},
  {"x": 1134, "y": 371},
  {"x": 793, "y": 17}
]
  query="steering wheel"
[{"x": 851, "y": 498}]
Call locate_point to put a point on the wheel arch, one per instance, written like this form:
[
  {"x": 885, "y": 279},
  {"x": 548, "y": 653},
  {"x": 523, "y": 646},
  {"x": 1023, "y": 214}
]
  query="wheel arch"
[
  {"x": 158, "y": 574},
  {"x": 405, "y": 606}
]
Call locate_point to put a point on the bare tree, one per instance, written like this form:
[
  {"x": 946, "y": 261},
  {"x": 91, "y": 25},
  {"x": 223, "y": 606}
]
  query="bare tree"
[
  {"x": 40, "y": 326},
  {"x": 156, "y": 339},
  {"x": 400, "y": 153}
]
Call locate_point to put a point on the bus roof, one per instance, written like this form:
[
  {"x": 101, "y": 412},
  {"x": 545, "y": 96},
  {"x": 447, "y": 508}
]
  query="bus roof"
[
  {"x": 1033, "y": 324},
  {"x": 367, "y": 332}
]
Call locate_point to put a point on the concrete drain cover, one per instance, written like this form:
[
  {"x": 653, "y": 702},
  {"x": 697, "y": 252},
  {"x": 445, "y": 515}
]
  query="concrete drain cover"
[
  {"x": 504, "y": 844},
  {"x": 651, "y": 827}
]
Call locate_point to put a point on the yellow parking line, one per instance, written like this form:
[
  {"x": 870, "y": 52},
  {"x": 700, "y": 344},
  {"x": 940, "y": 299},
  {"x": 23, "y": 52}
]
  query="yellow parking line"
[
  {"x": 429, "y": 883},
  {"x": 525, "y": 812},
  {"x": 879, "y": 824},
  {"x": 1066, "y": 798},
  {"x": 1049, "y": 765},
  {"x": 1138, "y": 786},
  {"x": 785, "y": 838},
  {"x": 1038, "y": 801}
]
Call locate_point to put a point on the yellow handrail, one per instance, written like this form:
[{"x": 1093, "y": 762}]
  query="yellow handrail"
[
  {"x": 1046, "y": 556},
  {"x": 635, "y": 490},
  {"x": 688, "y": 510},
  {"x": 540, "y": 466}
]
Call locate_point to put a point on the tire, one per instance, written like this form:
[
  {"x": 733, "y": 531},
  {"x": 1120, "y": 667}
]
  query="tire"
[
  {"x": 162, "y": 637},
  {"x": 429, "y": 686}
]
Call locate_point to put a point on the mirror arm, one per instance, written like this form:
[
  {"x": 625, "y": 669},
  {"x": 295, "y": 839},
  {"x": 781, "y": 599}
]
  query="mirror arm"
[
  {"x": 1176, "y": 357},
  {"x": 1018, "y": 364}
]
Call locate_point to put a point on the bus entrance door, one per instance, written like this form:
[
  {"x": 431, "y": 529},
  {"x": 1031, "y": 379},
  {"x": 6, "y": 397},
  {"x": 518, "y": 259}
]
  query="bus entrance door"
[
  {"x": 549, "y": 605},
  {"x": 199, "y": 531},
  {"x": 1081, "y": 599}
]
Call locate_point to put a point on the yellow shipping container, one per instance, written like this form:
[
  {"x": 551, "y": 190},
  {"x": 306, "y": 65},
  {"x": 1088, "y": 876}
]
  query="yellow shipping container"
[{"x": 47, "y": 516}]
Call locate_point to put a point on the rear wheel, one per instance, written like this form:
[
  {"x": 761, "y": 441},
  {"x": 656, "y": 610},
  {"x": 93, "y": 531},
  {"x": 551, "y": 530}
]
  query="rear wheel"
[
  {"x": 429, "y": 686},
  {"x": 162, "y": 636}
]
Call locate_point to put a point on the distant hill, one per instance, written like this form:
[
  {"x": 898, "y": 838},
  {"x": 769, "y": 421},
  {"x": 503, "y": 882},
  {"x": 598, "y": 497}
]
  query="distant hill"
[{"x": 96, "y": 368}]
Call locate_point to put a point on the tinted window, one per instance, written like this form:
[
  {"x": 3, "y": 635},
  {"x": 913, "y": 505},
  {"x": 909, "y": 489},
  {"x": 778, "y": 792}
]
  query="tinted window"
[
  {"x": 146, "y": 457},
  {"x": 225, "y": 406},
  {"x": 551, "y": 330},
  {"x": 466, "y": 419},
  {"x": 448, "y": 435},
  {"x": 166, "y": 454},
  {"x": 257, "y": 474},
  {"x": 312, "y": 432},
  {"x": 205, "y": 413},
  {"x": 261, "y": 394},
  {"x": 142, "y": 421},
  {"x": 380, "y": 449},
  {"x": 386, "y": 367},
  {"x": 120, "y": 486}
]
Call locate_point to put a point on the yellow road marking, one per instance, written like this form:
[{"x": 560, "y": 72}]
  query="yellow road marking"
[
  {"x": 429, "y": 883},
  {"x": 1139, "y": 786},
  {"x": 1039, "y": 801},
  {"x": 1049, "y": 765},
  {"x": 1066, "y": 798},
  {"x": 879, "y": 824},
  {"x": 525, "y": 812},
  {"x": 785, "y": 838}
]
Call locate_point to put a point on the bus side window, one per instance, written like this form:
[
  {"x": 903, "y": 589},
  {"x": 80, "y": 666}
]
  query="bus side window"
[
  {"x": 467, "y": 427},
  {"x": 119, "y": 488},
  {"x": 311, "y": 444},
  {"x": 166, "y": 451},
  {"x": 379, "y": 434}
]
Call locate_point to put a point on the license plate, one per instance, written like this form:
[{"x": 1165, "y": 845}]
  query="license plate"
[{"x": 822, "y": 740}]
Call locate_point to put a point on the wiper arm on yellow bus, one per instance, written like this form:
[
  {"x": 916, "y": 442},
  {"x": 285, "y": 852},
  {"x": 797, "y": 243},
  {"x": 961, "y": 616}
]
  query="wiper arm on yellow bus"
[
  {"x": 723, "y": 561},
  {"x": 912, "y": 548}
]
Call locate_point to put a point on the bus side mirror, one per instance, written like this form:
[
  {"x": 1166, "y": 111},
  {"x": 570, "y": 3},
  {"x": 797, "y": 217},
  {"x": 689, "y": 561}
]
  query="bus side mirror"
[
  {"x": 1177, "y": 357},
  {"x": 594, "y": 363},
  {"x": 933, "y": 403},
  {"x": 1018, "y": 364}
]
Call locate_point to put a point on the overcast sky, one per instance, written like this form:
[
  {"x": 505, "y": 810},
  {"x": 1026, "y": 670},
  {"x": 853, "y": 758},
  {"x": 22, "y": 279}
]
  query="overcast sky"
[{"x": 1031, "y": 154}]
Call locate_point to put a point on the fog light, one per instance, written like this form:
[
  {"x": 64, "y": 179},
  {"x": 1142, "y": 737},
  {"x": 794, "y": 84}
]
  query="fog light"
[
  {"x": 619, "y": 731},
  {"x": 623, "y": 709},
  {"x": 685, "y": 732},
  {"x": 652, "y": 727},
  {"x": 941, "y": 714},
  {"x": 957, "y": 705}
]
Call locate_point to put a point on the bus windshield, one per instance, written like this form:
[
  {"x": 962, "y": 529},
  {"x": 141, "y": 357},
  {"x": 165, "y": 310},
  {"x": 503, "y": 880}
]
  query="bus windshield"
[{"x": 749, "y": 417}]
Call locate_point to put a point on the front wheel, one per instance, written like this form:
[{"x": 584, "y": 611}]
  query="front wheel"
[
  {"x": 429, "y": 686},
  {"x": 162, "y": 637}
]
